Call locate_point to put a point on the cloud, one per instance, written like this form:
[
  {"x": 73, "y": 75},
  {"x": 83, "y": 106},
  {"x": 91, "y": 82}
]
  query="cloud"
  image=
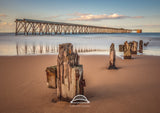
[
  {"x": 78, "y": 14},
  {"x": 7, "y": 26},
  {"x": 137, "y": 17},
  {"x": 3, "y": 15},
  {"x": 149, "y": 25},
  {"x": 137, "y": 26},
  {"x": 52, "y": 17},
  {"x": 2, "y": 24},
  {"x": 91, "y": 17}
]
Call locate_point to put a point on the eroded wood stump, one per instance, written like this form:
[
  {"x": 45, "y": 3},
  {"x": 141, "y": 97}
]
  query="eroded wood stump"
[
  {"x": 130, "y": 44},
  {"x": 51, "y": 73},
  {"x": 121, "y": 48},
  {"x": 70, "y": 80},
  {"x": 134, "y": 47},
  {"x": 127, "y": 51},
  {"x": 141, "y": 46},
  {"x": 112, "y": 57}
]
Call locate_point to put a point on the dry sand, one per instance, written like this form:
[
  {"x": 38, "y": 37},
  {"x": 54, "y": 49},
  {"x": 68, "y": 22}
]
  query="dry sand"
[{"x": 133, "y": 88}]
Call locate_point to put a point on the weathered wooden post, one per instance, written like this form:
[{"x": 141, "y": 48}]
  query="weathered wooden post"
[
  {"x": 131, "y": 45},
  {"x": 134, "y": 47},
  {"x": 26, "y": 48},
  {"x": 34, "y": 49},
  {"x": 141, "y": 46},
  {"x": 112, "y": 57},
  {"x": 41, "y": 49},
  {"x": 47, "y": 49},
  {"x": 70, "y": 80},
  {"x": 51, "y": 73},
  {"x": 121, "y": 48},
  {"x": 67, "y": 76},
  {"x": 127, "y": 51},
  {"x": 17, "y": 48}
]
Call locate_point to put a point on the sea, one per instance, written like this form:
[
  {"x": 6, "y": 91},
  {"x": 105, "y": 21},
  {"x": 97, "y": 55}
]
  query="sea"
[{"x": 84, "y": 44}]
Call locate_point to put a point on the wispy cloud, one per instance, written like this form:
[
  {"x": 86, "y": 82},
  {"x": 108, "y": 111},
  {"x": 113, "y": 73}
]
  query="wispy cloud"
[
  {"x": 137, "y": 17},
  {"x": 78, "y": 14},
  {"x": 6, "y": 23},
  {"x": 148, "y": 25},
  {"x": 52, "y": 17},
  {"x": 91, "y": 17},
  {"x": 7, "y": 26},
  {"x": 3, "y": 15},
  {"x": 138, "y": 26}
]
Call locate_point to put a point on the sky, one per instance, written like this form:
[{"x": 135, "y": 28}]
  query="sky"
[{"x": 129, "y": 14}]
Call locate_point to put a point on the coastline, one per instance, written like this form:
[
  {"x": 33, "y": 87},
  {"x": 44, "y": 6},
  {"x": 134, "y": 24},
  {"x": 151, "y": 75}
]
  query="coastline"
[
  {"x": 134, "y": 87},
  {"x": 93, "y": 43}
]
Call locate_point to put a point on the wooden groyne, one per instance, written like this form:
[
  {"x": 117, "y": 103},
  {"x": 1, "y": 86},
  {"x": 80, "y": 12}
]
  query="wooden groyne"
[
  {"x": 39, "y": 27},
  {"x": 33, "y": 49}
]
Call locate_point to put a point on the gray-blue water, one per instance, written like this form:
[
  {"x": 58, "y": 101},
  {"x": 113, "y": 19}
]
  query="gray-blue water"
[{"x": 98, "y": 42}]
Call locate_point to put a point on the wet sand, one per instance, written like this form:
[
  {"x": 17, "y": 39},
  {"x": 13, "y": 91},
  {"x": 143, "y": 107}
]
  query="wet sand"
[{"x": 133, "y": 88}]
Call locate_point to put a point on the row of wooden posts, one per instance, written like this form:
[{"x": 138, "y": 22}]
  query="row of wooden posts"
[
  {"x": 34, "y": 49},
  {"x": 22, "y": 49},
  {"x": 128, "y": 48},
  {"x": 67, "y": 75},
  {"x": 131, "y": 48},
  {"x": 41, "y": 49}
]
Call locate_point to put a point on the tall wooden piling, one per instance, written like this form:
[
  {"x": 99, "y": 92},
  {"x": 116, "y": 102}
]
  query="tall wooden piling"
[
  {"x": 70, "y": 80},
  {"x": 17, "y": 48},
  {"x": 127, "y": 51},
  {"x": 141, "y": 46},
  {"x": 112, "y": 57},
  {"x": 134, "y": 47},
  {"x": 26, "y": 48},
  {"x": 41, "y": 49},
  {"x": 34, "y": 49},
  {"x": 121, "y": 48}
]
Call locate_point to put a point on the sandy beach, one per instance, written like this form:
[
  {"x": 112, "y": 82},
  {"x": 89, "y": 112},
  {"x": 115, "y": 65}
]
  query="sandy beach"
[{"x": 133, "y": 88}]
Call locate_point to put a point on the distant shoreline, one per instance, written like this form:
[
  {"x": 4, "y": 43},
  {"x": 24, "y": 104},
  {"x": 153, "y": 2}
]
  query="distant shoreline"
[{"x": 80, "y": 34}]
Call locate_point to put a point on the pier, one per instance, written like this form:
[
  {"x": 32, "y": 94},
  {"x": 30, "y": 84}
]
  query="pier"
[{"x": 40, "y": 27}]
